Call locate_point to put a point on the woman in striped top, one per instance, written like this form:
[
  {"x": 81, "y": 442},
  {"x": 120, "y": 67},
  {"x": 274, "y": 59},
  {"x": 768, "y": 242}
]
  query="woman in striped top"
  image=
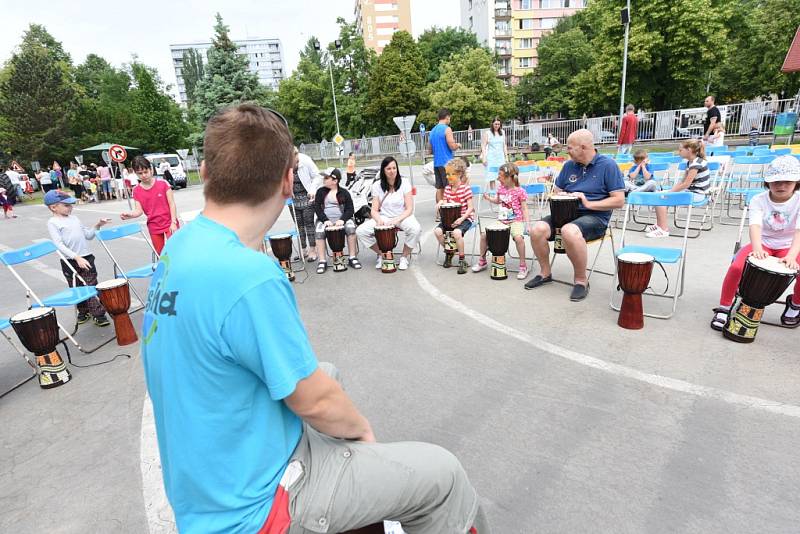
[{"x": 696, "y": 179}]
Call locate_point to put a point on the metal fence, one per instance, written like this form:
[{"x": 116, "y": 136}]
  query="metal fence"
[{"x": 654, "y": 126}]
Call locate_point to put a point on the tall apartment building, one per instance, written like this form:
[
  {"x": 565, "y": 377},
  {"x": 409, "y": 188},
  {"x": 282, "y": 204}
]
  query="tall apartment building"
[
  {"x": 377, "y": 20},
  {"x": 512, "y": 28},
  {"x": 265, "y": 57}
]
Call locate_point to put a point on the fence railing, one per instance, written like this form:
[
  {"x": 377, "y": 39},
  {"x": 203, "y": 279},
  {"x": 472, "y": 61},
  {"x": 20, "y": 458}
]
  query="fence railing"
[{"x": 738, "y": 119}]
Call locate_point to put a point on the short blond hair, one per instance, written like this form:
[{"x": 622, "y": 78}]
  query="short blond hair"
[{"x": 459, "y": 166}]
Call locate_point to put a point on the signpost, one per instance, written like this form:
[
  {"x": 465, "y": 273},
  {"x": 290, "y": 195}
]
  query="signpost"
[
  {"x": 105, "y": 156},
  {"x": 338, "y": 140},
  {"x": 407, "y": 146},
  {"x": 35, "y": 166},
  {"x": 79, "y": 159},
  {"x": 323, "y": 148},
  {"x": 117, "y": 154}
]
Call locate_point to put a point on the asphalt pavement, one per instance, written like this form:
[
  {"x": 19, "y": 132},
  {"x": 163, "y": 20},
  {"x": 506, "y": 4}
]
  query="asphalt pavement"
[{"x": 564, "y": 421}]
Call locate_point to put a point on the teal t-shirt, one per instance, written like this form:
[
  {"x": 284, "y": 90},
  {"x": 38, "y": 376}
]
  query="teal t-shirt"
[{"x": 222, "y": 345}]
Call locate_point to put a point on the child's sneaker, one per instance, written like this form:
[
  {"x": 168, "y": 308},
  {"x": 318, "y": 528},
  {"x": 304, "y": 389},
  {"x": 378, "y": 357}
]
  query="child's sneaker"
[
  {"x": 480, "y": 266},
  {"x": 523, "y": 272},
  {"x": 657, "y": 233},
  {"x": 448, "y": 261},
  {"x": 462, "y": 266},
  {"x": 379, "y": 263},
  {"x": 101, "y": 320},
  {"x": 83, "y": 318}
]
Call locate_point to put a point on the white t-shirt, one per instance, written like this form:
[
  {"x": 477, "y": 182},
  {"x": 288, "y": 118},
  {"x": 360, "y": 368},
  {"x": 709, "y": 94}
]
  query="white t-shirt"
[
  {"x": 392, "y": 204},
  {"x": 778, "y": 222},
  {"x": 13, "y": 176},
  {"x": 44, "y": 178},
  {"x": 308, "y": 172}
]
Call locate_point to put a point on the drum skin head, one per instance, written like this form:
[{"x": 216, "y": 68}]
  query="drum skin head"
[
  {"x": 281, "y": 236},
  {"x": 27, "y": 315},
  {"x": 110, "y": 284},
  {"x": 635, "y": 257},
  {"x": 771, "y": 263},
  {"x": 497, "y": 227}
]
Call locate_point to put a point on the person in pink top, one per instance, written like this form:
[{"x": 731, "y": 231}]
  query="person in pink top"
[
  {"x": 153, "y": 198},
  {"x": 512, "y": 211},
  {"x": 104, "y": 173}
]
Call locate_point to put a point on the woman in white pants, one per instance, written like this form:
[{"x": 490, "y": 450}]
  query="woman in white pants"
[{"x": 392, "y": 204}]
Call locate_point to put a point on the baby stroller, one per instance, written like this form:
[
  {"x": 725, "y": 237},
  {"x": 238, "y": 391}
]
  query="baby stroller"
[{"x": 361, "y": 191}]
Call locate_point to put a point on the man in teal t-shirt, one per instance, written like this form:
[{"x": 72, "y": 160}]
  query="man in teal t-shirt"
[{"x": 254, "y": 436}]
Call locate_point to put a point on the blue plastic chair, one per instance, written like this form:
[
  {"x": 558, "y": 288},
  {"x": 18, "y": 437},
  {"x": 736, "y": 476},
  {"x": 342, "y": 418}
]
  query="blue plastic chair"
[
  {"x": 662, "y": 255},
  {"x": 105, "y": 235},
  {"x": 71, "y": 296},
  {"x": 4, "y": 325}
]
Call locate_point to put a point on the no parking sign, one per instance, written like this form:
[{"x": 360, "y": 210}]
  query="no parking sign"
[{"x": 117, "y": 153}]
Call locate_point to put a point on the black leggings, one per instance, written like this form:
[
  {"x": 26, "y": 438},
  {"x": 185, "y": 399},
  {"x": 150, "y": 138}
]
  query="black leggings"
[{"x": 303, "y": 214}]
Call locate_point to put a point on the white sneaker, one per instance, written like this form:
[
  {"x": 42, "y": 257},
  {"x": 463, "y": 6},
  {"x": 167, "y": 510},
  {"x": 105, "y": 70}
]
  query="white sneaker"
[
  {"x": 522, "y": 274},
  {"x": 480, "y": 266},
  {"x": 650, "y": 228},
  {"x": 379, "y": 263},
  {"x": 657, "y": 233},
  {"x": 403, "y": 264}
]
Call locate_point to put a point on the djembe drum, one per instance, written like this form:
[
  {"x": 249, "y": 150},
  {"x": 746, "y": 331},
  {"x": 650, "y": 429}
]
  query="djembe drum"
[
  {"x": 335, "y": 237},
  {"x": 281, "y": 246},
  {"x": 386, "y": 236},
  {"x": 563, "y": 210},
  {"x": 115, "y": 296},
  {"x": 37, "y": 330},
  {"x": 449, "y": 212},
  {"x": 497, "y": 238},
  {"x": 762, "y": 283},
  {"x": 634, "y": 271}
]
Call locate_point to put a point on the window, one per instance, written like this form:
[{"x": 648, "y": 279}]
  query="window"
[
  {"x": 470, "y": 5},
  {"x": 552, "y": 4},
  {"x": 470, "y": 22},
  {"x": 525, "y": 43},
  {"x": 549, "y": 24},
  {"x": 526, "y": 24},
  {"x": 575, "y": 3},
  {"x": 526, "y": 4},
  {"x": 525, "y": 62},
  {"x": 386, "y": 18}
]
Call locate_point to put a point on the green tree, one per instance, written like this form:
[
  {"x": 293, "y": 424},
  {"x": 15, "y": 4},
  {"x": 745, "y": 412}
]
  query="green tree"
[
  {"x": 226, "y": 80},
  {"x": 469, "y": 88},
  {"x": 438, "y": 44},
  {"x": 192, "y": 70},
  {"x": 158, "y": 119},
  {"x": 396, "y": 83},
  {"x": 301, "y": 97},
  {"x": 37, "y": 97},
  {"x": 752, "y": 68}
]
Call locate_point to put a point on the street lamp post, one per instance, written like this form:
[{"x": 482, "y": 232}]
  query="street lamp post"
[
  {"x": 626, "y": 20},
  {"x": 338, "y": 44}
]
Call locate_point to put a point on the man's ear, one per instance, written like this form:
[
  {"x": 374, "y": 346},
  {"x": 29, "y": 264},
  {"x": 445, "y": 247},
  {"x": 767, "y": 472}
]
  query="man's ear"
[
  {"x": 203, "y": 171},
  {"x": 287, "y": 183}
]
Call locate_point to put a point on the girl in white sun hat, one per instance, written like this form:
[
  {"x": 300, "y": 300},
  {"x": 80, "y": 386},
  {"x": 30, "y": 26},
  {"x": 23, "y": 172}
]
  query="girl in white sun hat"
[{"x": 774, "y": 231}]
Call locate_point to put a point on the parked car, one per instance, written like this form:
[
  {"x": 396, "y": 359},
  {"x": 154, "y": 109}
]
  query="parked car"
[{"x": 177, "y": 172}]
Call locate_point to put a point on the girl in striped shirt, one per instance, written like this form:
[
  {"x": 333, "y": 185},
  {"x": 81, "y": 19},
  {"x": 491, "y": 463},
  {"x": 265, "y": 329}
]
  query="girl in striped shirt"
[
  {"x": 696, "y": 179},
  {"x": 457, "y": 190}
]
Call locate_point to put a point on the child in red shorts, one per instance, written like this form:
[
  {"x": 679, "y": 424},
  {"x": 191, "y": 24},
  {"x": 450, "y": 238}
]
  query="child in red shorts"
[{"x": 153, "y": 198}]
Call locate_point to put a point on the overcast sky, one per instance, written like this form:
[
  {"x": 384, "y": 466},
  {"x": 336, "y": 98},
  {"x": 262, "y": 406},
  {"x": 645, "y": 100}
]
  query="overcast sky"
[{"x": 116, "y": 30}]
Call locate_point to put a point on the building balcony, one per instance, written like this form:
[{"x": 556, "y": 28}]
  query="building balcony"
[
  {"x": 503, "y": 72},
  {"x": 502, "y": 32},
  {"x": 502, "y": 13},
  {"x": 503, "y": 51}
]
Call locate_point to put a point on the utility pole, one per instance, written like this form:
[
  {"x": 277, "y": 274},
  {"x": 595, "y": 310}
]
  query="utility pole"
[
  {"x": 625, "y": 15},
  {"x": 339, "y": 147}
]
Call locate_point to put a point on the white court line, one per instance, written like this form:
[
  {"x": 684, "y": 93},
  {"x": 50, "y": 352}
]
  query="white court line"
[
  {"x": 682, "y": 386},
  {"x": 160, "y": 518}
]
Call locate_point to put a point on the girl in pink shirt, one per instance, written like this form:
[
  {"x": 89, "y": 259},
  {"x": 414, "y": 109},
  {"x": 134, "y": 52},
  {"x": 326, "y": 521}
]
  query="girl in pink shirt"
[
  {"x": 512, "y": 211},
  {"x": 154, "y": 199}
]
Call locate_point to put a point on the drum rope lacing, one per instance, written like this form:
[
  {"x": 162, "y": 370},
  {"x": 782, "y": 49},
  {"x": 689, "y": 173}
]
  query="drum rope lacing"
[{"x": 663, "y": 270}]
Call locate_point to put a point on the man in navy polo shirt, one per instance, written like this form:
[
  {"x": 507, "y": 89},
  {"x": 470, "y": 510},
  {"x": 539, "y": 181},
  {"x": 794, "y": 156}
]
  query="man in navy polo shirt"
[{"x": 597, "y": 182}]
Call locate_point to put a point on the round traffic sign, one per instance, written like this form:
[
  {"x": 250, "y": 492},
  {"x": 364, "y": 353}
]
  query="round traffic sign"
[{"x": 117, "y": 153}]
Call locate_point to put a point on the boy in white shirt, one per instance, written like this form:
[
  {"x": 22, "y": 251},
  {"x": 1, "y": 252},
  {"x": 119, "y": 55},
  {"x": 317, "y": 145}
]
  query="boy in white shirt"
[{"x": 71, "y": 238}]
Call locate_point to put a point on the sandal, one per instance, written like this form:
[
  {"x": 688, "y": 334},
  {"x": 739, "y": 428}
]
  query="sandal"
[
  {"x": 322, "y": 267},
  {"x": 354, "y": 263},
  {"x": 790, "y": 322},
  {"x": 718, "y": 323}
]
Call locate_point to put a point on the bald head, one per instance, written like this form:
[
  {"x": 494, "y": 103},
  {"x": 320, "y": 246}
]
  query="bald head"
[{"x": 580, "y": 146}]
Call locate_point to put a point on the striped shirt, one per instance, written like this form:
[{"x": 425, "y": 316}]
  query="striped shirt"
[
  {"x": 753, "y": 136},
  {"x": 702, "y": 180},
  {"x": 462, "y": 194}
]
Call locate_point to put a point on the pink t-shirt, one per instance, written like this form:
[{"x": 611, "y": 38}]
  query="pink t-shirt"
[
  {"x": 511, "y": 200},
  {"x": 155, "y": 206},
  {"x": 104, "y": 172}
]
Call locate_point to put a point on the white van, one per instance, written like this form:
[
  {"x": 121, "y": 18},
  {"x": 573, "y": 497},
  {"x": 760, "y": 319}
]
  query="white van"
[{"x": 176, "y": 168}]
